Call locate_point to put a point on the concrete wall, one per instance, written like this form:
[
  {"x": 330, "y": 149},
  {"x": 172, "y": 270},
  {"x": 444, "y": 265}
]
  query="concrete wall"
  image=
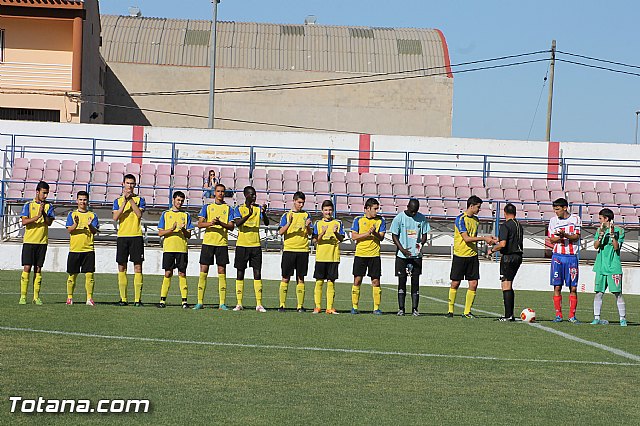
[
  {"x": 532, "y": 276},
  {"x": 421, "y": 106}
]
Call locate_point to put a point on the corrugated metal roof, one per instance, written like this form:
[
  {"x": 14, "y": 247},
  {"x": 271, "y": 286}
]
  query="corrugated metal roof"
[{"x": 271, "y": 46}]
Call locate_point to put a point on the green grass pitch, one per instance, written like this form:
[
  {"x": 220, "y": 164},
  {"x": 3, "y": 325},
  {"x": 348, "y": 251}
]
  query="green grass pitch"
[{"x": 242, "y": 367}]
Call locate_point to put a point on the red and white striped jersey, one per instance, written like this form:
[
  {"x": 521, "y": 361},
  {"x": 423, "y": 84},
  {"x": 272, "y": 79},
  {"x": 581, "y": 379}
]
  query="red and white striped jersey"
[{"x": 570, "y": 226}]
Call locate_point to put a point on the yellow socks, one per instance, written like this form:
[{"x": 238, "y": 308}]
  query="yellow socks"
[
  {"x": 184, "y": 290},
  {"x": 137, "y": 286},
  {"x": 471, "y": 295},
  {"x": 37, "y": 282},
  {"x": 89, "y": 282},
  {"x": 355, "y": 296},
  {"x": 377, "y": 296},
  {"x": 164, "y": 291},
  {"x": 283, "y": 293},
  {"x": 71, "y": 285},
  {"x": 452, "y": 298},
  {"x": 122, "y": 285},
  {"x": 24, "y": 284},
  {"x": 239, "y": 291},
  {"x": 202, "y": 287},
  {"x": 317, "y": 293},
  {"x": 300, "y": 294},
  {"x": 257, "y": 288},
  {"x": 222, "y": 288},
  {"x": 331, "y": 294}
]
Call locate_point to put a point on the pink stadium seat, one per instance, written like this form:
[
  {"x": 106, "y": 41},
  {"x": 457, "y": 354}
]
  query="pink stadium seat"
[
  {"x": 305, "y": 175},
  {"x": 574, "y": 197},
  {"x": 339, "y": 188},
  {"x": 260, "y": 174},
  {"x": 132, "y": 168},
  {"x": 593, "y": 209},
  {"x": 460, "y": 181},
  {"x": 320, "y": 176},
  {"x": 241, "y": 172},
  {"x": 195, "y": 196},
  {"x": 341, "y": 199},
  {"x": 100, "y": 177},
  {"x": 631, "y": 220},
  {"x": 429, "y": 180},
  {"x": 81, "y": 177},
  {"x": 290, "y": 185},
  {"x": 193, "y": 181},
  {"x": 162, "y": 192},
  {"x": 356, "y": 202},
  {"x": 370, "y": 189},
  {"x": 101, "y": 166},
  {"x": 417, "y": 179},
  {"x": 147, "y": 180},
  {"x": 615, "y": 210},
  {"x": 602, "y": 187},
  {"x": 321, "y": 187},
  {"x": 180, "y": 181},
  {"x": 229, "y": 173},
  {"x": 451, "y": 205},
  {"x": 242, "y": 182},
  {"x": 448, "y": 192},
  {"x": 14, "y": 194},
  {"x": 398, "y": 178},
  {"x": 69, "y": 165},
  {"x": 556, "y": 194},
  {"x": 367, "y": 178},
  {"x": 633, "y": 188},
  {"x": 29, "y": 189},
  {"x": 541, "y": 195},
  {"x": 554, "y": 185},
  {"x": 181, "y": 170},
  {"x": 416, "y": 191},
  {"x": 148, "y": 169},
  {"x": 34, "y": 174},
  {"x": 260, "y": 184},
  {"x": 342, "y": 208},
  {"x": 606, "y": 198},
  {"x": 338, "y": 177},
  {"x": 352, "y": 177},
  {"x": 545, "y": 207},
  {"x": 163, "y": 181},
  {"x": 163, "y": 169},
  {"x": 437, "y": 211},
  {"x": 274, "y": 185},
  {"x": 197, "y": 171},
  {"x": 21, "y": 163},
  {"x": 526, "y": 195},
  {"x": 618, "y": 188},
  {"x": 51, "y": 175},
  {"x": 539, "y": 185},
  {"x": 520, "y": 214},
  {"x": 19, "y": 174},
  {"x": 493, "y": 182},
  {"x": 635, "y": 199},
  {"x": 571, "y": 186},
  {"x": 386, "y": 189},
  {"x": 546, "y": 216},
  {"x": 508, "y": 183},
  {"x": 65, "y": 188},
  {"x": 353, "y": 188},
  {"x": 621, "y": 198},
  {"x": 36, "y": 163},
  {"x": 476, "y": 182},
  {"x": 587, "y": 186},
  {"x": 98, "y": 189},
  {"x": 275, "y": 196},
  {"x": 401, "y": 190},
  {"x": 277, "y": 205},
  {"x": 445, "y": 181},
  {"x": 628, "y": 211},
  {"x": 291, "y": 175},
  {"x": 511, "y": 194},
  {"x": 495, "y": 194},
  {"x": 432, "y": 192},
  {"x": 117, "y": 168},
  {"x": 523, "y": 183},
  {"x": 52, "y": 164},
  {"x": 479, "y": 192},
  {"x": 146, "y": 192},
  {"x": 274, "y": 175},
  {"x": 16, "y": 186},
  {"x": 162, "y": 200},
  {"x": 306, "y": 186},
  {"x": 382, "y": 178}
]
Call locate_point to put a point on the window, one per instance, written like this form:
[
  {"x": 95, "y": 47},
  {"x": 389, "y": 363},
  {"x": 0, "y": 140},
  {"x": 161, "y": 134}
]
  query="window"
[{"x": 1, "y": 45}]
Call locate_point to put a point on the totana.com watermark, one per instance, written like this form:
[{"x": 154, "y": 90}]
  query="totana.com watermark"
[{"x": 107, "y": 406}]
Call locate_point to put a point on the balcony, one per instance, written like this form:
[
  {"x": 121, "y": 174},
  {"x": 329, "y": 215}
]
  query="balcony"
[{"x": 23, "y": 76}]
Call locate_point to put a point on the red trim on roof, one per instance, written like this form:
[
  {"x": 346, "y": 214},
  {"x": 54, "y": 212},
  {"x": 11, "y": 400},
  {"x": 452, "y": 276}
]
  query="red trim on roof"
[{"x": 445, "y": 51}]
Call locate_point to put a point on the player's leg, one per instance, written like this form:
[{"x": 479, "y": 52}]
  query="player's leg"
[
  {"x": 302, "y": 267},
  {"x": 456, "y": 276},
  {"x": 137, "y": 257},
  {"x": 166, "y": 284},
  {"x": 89, "y": 269},
  {"x": 205, "y": 261},
  {"x": 222, "y": 260},
  {"x": 571, "y": 279},
  {"x": 239, "y": 287},
  {"x": 255, "y": 261},
  {"x": 73, "y": 268},
  {"x": 359, "y": 271},
  {"x": 287, "y": 266},
  {"x": 415, "y": 286},
  {"x": 615, "y": 287},
  {"x": 600, "y": 286},
  {"x": 375, "y": 272},
  {"x": 472, "y": 273},
  {"x": 332, "y": 277},
  {"x": 401, "y": 273},
  {"x": 27, "y": 261},
  {"x": 319, "y": 274},
  {"x": 39, "y": 256},
  {"x": 182, "y": 263},
  {"x": 122, "y": 257},
  {"x": 557, "y": 280}
]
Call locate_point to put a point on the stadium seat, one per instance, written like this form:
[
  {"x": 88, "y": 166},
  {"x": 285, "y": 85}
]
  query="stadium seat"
[
  {"x": 259, "y": 174},
  {"x": 163, "y": 169},
  {"x": 571, "y": 186},
  {"x": 101, "y": 166},
  {"x": 432, "y": 192},
  {"x": 161, "y": 201},
  {"x": 445, "y": 181},
  {"x": 602, "y": 187},
  {"x": 437, "y": 212},
  {"x": 521, "y": 214},
  {"x": 305, "y": 175},
  {"x": 339, "y": 188},
  {"x": 557, "y": 194},
  {"x": 82, "y": 176},
  {"x": 146, "y": 192},
  {"x": 241, "y": 173},
  {"x": 476, "y": 182},
  {"x": 147, "y": 180},
  {"x": 367, "y": 178},
  {"x": 69, "y": 165},
  {"x": 493, "y": 182},
  {"x": 606, "y": 198},
  {"x": 386, "y": 189},
  {"x": 290, "y": 175},
  {"x": 14, "y": 194},
  {"x": 277, "y": 205},
  {"x": 451, "y": 204},
  {"x": 241, "y": 183},
  {"x": 496, "y": 194},
  {"x": 148, "y": 169},
  {"x": 523, "y": 183},
  {"x": 18, "y": 174},
  {"x": 416, "y": 191},
  {"x": 274, "y": 185},
  {"x": 398, "y": 178},
  {"x": 52, "y": 164},
  {"x": 460, "y": 181},
  {"x": 448, "y": 192},
  {"x": 400, "y": 190},
  {"x": 631, "y": 220},
  {"x": 590, "y": 198},
  {"x": 34, "y": 174},
  {"x": 418, "y": 179},
  {"x": 16, "y": 186},
  {"x": 320, "y": 176},
  {"x": 618, "y": 188},
  {"x": 546, "y": 216},
  {"x": 554, "y": 185},
  {"x": 539, "y": 185},
  {"x": 117, "y": 168},
  {"x": 51, "y": 175},
  {"x": 633, "y": 188},
  {"x": 429, "y": 180},
  {"x": 132, "y": 168},
  {"x": 229, "y": 173},
  {"x": 526, "y": 195},
  {"x": 574, "y": 197},
  {"x": 382, "y": 178},
  {"x": 336, "y": 177},
  {"x": 273, "y": 175},
  {"x": 353, "y": 188},
  {"x": 260, "y": 184},
  {"x": 306, "y": 186},
  {"x": 621, "y": 198},
  {"x": 21, "y": 163},
  {"x": 193, "y": 181},
  {"x": 635, "y": 199},
  {"x": 181, "y": 181},
  {"x": 435, "y": 202},
  {"x": 594, "y": 209},
  {"x": 511, "y": 194},
  {"x": 321, "y": 187},
  {"x": 628, "y": 211},
  {"x": 479, "y": 192},
  {"x": 163, "y": 181},
  {"x": 369, "y": 189},
  {"x": 587, "y": 186},
  {"x": 342, "y": 208},
  {"x": 508, "y": 183}
]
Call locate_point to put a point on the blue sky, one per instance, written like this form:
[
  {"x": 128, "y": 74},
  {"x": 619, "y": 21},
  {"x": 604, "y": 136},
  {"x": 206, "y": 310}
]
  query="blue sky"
[{"x": 589, "y": 105}]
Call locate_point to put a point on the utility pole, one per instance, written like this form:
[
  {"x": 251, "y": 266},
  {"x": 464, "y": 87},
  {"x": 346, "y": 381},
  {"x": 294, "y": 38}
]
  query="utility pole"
[
  {"x": 212, "y": 55},
  {"x": 550, "y": 103}
]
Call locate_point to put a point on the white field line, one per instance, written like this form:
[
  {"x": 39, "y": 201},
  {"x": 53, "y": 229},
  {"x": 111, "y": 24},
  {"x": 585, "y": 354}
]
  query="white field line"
[
  {"x": 313, "y": 349},
  {"x": 567, "y": 336}
]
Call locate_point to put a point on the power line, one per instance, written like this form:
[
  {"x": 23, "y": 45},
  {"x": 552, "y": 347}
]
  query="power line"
[
  {"x": 338, "y": 79},
  {"x": 598, "y": 67},
  {"x": 598, "y": 59},
  {"x": 533, "y": 120}
]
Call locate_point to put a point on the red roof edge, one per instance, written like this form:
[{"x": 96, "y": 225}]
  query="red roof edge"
[{"x": 445, "y": 51}]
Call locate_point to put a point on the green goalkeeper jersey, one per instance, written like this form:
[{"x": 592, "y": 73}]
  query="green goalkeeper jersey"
[{"x": 608, "y": 259}]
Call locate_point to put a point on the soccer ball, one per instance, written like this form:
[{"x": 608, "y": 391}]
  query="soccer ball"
[{"x": 528, "y": 315}]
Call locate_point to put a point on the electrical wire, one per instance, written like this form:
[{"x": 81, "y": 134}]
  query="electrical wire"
[
  {"x": 591, "y": 58},
  {"x": 598, "y": 67},
  {"x": 544, "y": 83}
]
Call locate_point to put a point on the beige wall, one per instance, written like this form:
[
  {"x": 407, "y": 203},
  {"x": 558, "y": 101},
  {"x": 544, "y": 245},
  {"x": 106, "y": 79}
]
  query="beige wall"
[
  {"x": 412, "y": 107},
  {"x": 31, "y": 40}
]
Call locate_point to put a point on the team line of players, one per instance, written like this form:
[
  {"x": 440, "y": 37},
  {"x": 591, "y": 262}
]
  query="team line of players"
[{"x": 409, "y": 231}]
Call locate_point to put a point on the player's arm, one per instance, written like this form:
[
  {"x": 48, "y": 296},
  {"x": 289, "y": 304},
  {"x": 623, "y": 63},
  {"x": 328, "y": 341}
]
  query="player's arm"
[
  {"x": 339, "y": 233},
  {"x": 72, "y": 222},
  {"x": 467, "y": 239},
  {"x": 50, "y": 216},
  {"x": 202, "y": 222},
  {"x": 285, "y": 223},
  {"x": 25, "y": 219},
  {"x": 396, "y": 240},
  {"x": 186, "y": 231},
  {"x": 118, "y": 209},
  {"x": 315, "y": 235},
  {"x": 503, "y": 236},
  {"x": 163, "y": 230},
  {"x": 240, "y": 220},
  {"x": 137, "y": 210},
  {"x": 230, "y": 225},
  {"x": 263, "y": 213},
  {"x": 308, "y": 225},
  {"x": 94, "y": 226}
]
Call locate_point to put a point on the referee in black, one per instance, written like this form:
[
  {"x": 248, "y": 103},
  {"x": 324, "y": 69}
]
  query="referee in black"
[{"x": 510, "y": 243}]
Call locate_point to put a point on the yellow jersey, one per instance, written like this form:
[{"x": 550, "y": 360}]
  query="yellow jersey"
[
  {"x": 248, "y": 232},
  {"x": 328, "y": 247},
  {"x": 370, "y": 246},
  {"x": 81, "y": 240},
  {"x": 216, "y": 235},
  {"x": 296, "y": 238},
  {"x": 468, "y": 224},
  {"x": 128, "y": 223},
  {"x": 38, "y": 231},
  {"x": 175, "y": 242}
]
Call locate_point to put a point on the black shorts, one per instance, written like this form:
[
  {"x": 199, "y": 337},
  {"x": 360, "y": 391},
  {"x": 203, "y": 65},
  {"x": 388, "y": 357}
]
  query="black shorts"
[
  {"x": 326, "y": 271},
  {"x": 402, "y": 263},
  {"x": 129, "y": 248},
  {"x": 371, "y": 264},
  {"x": 509, "y": 265},
  {"x": 465, "y": 268},
  {"x": 81, "y": 262},
  {"x": 250, "y": 255},
  {"x": 175, "y": 260},
  {"x": 214, "y": 254},
  {"x": 33, "y": 254},
  {"x": 293, "y": 260}
]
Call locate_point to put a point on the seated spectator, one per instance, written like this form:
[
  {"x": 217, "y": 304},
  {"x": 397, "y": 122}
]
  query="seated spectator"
[{"x": 210, "y": 184}]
